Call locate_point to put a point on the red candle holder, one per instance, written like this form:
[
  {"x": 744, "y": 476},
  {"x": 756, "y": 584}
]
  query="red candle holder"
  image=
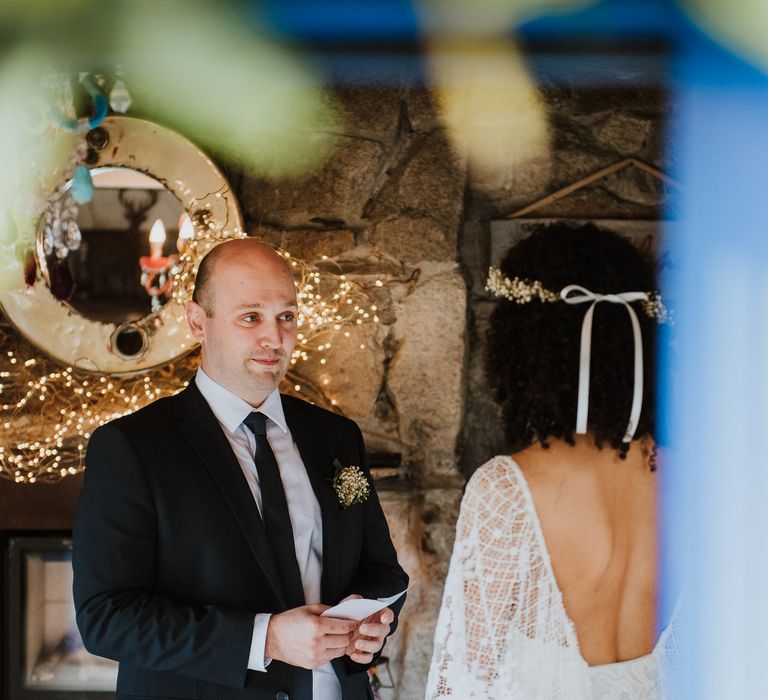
[{"x": 156, "y": 277}]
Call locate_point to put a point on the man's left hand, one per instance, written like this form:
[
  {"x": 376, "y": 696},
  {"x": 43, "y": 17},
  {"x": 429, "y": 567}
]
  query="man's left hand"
[{"x": 369, "y": 636}]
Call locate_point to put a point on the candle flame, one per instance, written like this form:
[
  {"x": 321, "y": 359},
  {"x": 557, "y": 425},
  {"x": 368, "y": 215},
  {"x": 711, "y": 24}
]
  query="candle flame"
[
  {"x": 157, "y": 233},
  {"x": 186, "y": 229}
]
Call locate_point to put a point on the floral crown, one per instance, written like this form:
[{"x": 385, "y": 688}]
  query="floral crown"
[{"x": 522, "y": 291}]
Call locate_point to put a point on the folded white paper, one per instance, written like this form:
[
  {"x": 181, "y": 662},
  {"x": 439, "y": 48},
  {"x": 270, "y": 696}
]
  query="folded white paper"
[{"x": 360, "y": 608}]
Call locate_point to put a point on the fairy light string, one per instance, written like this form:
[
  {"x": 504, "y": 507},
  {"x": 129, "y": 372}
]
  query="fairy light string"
[{"x": 48, "y": 412}]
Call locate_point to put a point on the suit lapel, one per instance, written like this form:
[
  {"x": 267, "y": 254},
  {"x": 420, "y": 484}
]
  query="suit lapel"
[
  {"x": 199, "y": 427},
  {"x": 319, "y": 465}
]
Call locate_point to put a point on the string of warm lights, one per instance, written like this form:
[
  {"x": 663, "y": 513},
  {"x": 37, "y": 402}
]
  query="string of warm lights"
[
  {"x": 48, "y": 412},
  {"x": 326, "y": 302}
]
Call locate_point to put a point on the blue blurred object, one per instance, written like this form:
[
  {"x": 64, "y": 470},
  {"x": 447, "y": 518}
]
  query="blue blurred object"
[
  {"x": 100, "y": 108},
  {"x": 607, "y": 19},
  {"x": 82, "y": 185},
  {"x": 611, "y": 42},
  {"x": 398, "y": 20},
  {"x": 715, "y": 481},
  {"x": 343, "y": 20}
]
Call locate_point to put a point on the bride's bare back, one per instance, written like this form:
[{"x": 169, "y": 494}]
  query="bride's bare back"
[{"x": 598, "y": 516}]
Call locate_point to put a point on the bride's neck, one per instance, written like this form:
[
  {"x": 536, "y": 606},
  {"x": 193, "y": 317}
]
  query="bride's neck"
[{"x": 585, "y": 453}]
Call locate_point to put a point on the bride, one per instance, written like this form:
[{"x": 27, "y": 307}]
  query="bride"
[{"x": 552, "y": 587}]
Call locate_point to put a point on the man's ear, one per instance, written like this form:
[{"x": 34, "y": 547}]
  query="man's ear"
[{"x": 195, "y": 318}]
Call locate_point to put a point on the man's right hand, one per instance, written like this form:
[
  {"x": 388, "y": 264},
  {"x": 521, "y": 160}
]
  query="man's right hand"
[{"x": 301, "y": 637}]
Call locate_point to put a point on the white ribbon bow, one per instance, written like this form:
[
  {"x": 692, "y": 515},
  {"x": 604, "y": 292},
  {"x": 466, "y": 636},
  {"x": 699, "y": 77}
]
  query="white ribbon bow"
[{"x": 574, "y": 294}]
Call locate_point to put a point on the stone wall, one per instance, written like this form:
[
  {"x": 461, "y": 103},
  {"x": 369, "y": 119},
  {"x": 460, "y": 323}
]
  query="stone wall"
[
  {"x": 394, "y": 202},
  {"x": 389, "y": 205}
]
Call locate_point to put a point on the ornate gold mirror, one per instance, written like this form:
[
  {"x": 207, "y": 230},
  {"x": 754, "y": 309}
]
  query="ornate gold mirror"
[{"x": 111, "y": 282}]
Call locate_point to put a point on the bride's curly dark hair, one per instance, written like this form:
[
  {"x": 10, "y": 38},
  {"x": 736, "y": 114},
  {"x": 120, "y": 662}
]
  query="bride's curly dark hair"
[{"x": 532, "y": 355}]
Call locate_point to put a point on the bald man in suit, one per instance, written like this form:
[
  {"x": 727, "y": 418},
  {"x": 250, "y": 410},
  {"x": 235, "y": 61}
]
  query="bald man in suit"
[{"x": 209, "y": 539}]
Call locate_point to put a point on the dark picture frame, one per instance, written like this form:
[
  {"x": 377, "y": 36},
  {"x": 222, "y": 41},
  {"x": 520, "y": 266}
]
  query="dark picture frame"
[{"x": 19, "y": 549}]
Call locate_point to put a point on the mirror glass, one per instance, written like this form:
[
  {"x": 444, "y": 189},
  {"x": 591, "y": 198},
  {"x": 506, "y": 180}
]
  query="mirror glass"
[{"x": 131, "y": 232}]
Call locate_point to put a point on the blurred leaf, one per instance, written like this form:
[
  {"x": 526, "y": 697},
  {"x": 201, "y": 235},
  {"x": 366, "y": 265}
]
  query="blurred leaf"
[
  {"x": 194, "y": 65},
  {"x": 741, "y": 24},
  {"x": 486, "y": 17},
  {"x": 31, "y": 162},
  {"x": 224, "y": 86},
  {"x": 490, "y": 106},
  {"x": 29, "y": 15}
]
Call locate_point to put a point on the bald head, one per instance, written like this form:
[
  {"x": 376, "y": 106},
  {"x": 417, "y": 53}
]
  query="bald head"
[
  {"x": 224, "y": 257},
  {"x": 245, "y": 316}
]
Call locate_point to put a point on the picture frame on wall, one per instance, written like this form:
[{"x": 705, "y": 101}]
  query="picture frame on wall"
[{"x": 44, "y": 654}]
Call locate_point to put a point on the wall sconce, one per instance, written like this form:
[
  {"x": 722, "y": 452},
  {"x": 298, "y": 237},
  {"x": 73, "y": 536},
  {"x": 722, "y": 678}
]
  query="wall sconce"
[{"x": 156, "y": 268}]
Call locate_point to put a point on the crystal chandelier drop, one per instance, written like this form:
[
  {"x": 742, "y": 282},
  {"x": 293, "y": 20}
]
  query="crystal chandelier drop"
[{"x": 61, "y": 234}]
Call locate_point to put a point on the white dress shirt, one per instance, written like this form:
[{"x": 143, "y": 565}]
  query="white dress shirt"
[{"x": 304, "y": 511}]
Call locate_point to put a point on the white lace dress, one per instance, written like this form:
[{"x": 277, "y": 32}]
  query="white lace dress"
[{"x": 503, "y": 633}]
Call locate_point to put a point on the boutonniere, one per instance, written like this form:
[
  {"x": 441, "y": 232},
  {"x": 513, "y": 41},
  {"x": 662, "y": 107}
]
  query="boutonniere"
[{"x": 350, "y": 485}]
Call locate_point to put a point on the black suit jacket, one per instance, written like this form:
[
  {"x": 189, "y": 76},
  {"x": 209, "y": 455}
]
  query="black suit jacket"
[{"x": 171, "y": 560}]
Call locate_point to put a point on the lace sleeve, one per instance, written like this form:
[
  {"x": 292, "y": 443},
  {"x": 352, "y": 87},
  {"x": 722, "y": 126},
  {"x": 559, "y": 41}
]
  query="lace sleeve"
[
  {"x": 485, "y": 583},
  {"x": 503, "y": 633}
]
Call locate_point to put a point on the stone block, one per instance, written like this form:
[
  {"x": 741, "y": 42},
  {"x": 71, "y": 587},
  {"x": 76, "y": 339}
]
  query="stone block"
[
  {"x": 401, "y": 510},
  {"x": 589, "y": 105},
  {"x": 523, "y": 183},
  {"x": 482, "y": 432},
  {"x": 596, "y": 202},
  {"x": 332, "y": 195},
  {"x": 311, "y": 245},
  {"x": 624, "y": 133},
  {"x": 422, "y": 112},
  {"x": 353, "y": 370},
  {"x": 428, "y": 182},
  {"x": 426, "y": 371},
  {"x": 412, "y": 520},
  {"x": 366, "y": 264},
  {"x": 266, "y": 234},
  {"x": 308, "y": 245},
  {"x": 636, "y": 186},
  {"x": 370, "y": 112},
  {"x": 572, "y": 164},
  {"x": 475, "y": 254},
  {"x": 518, "y": 181},
  {"x": 415, "y": 239}
]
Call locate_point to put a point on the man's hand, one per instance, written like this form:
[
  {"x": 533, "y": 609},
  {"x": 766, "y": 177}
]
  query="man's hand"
[
  {"x": 369, "y": 636},
  {"x": 300, "y": 637}
]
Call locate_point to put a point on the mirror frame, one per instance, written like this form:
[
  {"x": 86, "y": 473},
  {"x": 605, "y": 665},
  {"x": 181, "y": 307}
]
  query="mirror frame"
[{"x": 66, "y": 336}]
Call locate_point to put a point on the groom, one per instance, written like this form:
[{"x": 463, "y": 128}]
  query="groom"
[{"x": 209, "y": 538}]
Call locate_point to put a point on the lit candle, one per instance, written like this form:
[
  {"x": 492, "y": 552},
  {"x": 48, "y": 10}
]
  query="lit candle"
[
  {"x": 186, "y": 232},
  {"x": 156, "y": 239}
]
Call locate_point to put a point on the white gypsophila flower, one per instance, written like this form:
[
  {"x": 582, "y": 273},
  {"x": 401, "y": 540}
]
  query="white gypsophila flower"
[
  {"x": 522, "y": 291},
  {"x": 350, "y": 484}
]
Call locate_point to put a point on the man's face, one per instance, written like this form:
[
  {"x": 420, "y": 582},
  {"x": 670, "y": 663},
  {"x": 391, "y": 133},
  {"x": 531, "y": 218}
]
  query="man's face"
[{"x": 250, "y": 335}]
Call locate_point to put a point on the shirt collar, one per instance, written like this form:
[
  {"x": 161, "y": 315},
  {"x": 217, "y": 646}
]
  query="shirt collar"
[{"x": 230, "y": 410}]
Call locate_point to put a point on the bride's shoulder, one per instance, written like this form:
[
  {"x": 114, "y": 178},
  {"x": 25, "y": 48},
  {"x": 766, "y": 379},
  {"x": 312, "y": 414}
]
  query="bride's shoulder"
[
  {"x": 498, "y": 475},
  {"x": 495, "y": 498}
]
